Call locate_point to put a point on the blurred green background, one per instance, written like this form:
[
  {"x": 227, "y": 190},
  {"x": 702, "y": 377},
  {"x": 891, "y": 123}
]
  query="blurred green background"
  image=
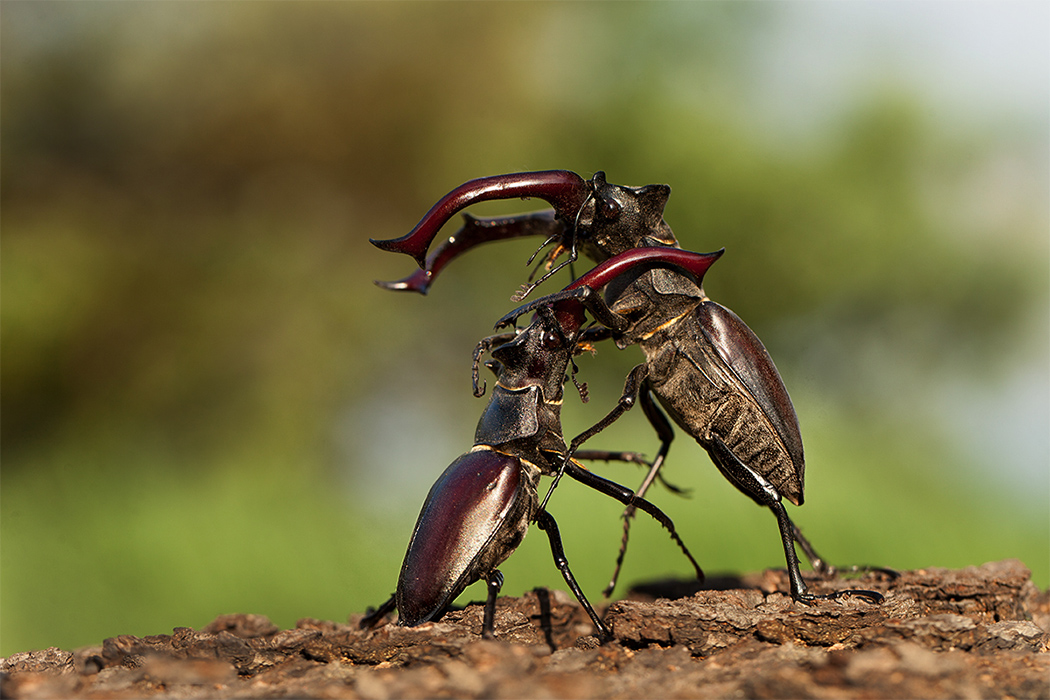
[{"x": 207, "y": 407}]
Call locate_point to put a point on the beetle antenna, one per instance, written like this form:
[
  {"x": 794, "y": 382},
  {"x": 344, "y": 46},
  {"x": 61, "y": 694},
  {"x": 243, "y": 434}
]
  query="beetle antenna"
[
  {"x": 478, "y": 392},
  {"x": 526, "y": 289},
  {"x": 480, "y": 349},
  {"x": 552, "y": 321},
  {"x": 550, "y": 239},
  {"x": 581, "y": 387}
]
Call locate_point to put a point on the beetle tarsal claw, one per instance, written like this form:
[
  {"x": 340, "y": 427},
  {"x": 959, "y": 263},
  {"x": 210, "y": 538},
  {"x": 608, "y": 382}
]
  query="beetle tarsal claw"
[{"x": 870, "y": 596}]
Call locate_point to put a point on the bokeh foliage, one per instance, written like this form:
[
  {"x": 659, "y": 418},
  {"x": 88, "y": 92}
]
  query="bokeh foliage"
[{"x": 207, "y": 407}]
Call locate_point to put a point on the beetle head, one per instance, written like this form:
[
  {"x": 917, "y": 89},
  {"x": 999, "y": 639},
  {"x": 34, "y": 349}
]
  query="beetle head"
[
  {"x": 568, "y": 305},
  {"x": 539, "y": 354},
  {"x": 589, "y": 216},
  {"x": 618, "y": 218}
]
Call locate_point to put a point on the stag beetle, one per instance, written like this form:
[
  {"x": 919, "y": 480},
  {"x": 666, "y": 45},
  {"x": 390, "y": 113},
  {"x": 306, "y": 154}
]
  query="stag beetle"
[
  {"x": 479, "y": 510},
  {"x": 706, "y": 367}
]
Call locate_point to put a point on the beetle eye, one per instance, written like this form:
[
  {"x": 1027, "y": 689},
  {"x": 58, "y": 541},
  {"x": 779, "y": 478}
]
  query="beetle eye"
[
  {"x": 551, "y": 341},
  {"x": 610, "y": 209}
]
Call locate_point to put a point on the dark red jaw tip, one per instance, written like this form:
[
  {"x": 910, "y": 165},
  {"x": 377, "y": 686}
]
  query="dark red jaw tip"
[
  {"x": 695, "y": 264},
  {"x": 418, "y": 281}
]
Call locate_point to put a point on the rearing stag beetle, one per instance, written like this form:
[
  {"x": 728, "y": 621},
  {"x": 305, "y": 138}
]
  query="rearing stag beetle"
[
  {"x": 479, "y": 510},
  {"x": 706, "y": 367}
]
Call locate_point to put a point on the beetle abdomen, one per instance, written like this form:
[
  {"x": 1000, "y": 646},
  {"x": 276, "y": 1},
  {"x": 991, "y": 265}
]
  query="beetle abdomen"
[
  {"x": 703, "y": 396},
  {"x": 744, "y": 430},
  {"x": 753, "y": 372},
  {"x": 477, "y": 501}
]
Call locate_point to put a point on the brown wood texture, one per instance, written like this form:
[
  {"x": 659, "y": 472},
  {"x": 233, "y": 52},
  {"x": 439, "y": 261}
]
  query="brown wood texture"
[{"x": 979, "y": 632}]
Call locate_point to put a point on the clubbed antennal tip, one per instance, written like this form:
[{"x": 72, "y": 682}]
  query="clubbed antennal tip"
[
  {"x": 584, "y": 394},
  {"x": 522, "y": 292},
  {"x": 581, "y": 387}
]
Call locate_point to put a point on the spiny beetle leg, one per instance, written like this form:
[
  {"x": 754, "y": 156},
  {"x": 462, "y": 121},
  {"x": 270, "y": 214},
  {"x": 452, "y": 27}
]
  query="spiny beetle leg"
[
  {"x": 548, "y": 525},
  {"x": 607, "y": 456},
  {"x": 666, "y": 434},
  {"x": 564, "y": 295},
  {"x": 627, "y": 497},
  {"x": 526, "y": 289},
  {"x": 632, "y": 387},
  {"x": 584, "y": 295},
  {"x": 635, "y": 379},
  {"x": 664, "y": 431},
  {"x": 763, "y": 493},
  {"x": 630, "y": 391}
]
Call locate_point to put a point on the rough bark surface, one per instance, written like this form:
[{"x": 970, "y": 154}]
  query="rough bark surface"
[{"x": 979, "y": 632}]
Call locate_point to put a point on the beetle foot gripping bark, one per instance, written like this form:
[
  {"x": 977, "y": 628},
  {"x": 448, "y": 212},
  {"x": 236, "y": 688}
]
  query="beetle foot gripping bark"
[
  {"x": 548, "y": 525},
  {"x": 765, "y": 494},
  {"x": 494, "y": 582}
]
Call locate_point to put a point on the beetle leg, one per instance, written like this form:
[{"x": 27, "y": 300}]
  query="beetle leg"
[
  {"x": 590, "y": 336},
  {"x": 625, "y": 496},
  {"x": 764, "y": 493},
  {"x": 494, "y": 582},
  {"x": 564, "y": 295},
  {"x": 819, "y": 564},
  {"x": 607, "y": 456},
  {"x": 374, "y": 617},
  {"x": 631, "y": 388},
  {"x": 603, "y": 314},
  {"x": 822, "y": 567},
  {"x": 630, "y": 394},
  {"x": 666, "y": 434},
  {"x": 585, "y": 295},
  {"x": 546, "y": 523},
  {"x": 629, "y": 458},
  {"x": 526, "y": 289}
]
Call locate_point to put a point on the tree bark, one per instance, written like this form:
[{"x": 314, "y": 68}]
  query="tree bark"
[{"x": 979, "y": 632}]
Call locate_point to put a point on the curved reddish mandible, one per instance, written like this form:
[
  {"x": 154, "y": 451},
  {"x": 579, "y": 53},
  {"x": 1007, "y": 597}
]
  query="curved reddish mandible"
[{"x": 564, "y": 190}]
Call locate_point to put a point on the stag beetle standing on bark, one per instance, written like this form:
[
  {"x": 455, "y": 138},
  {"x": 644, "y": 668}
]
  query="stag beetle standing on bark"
[
  {"x": 706, "y": 367},
  {"x": 479, "y": 510}
]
